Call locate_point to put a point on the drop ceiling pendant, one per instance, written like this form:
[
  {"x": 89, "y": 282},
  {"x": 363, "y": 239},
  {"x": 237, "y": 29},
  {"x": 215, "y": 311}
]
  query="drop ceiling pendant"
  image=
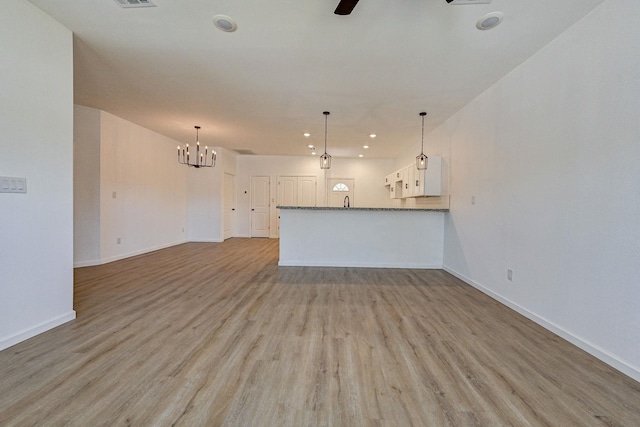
[
  {"x": 422, "y": 159},
  {"x": 325, "y": 159},
  {"x": 197, "y": 159}
]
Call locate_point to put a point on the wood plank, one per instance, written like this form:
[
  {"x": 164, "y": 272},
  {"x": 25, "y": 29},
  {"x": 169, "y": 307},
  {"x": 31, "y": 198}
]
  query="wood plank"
[{"x": 217, "y": 334}]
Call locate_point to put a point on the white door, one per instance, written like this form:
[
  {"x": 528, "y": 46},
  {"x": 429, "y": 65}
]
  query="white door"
[
  {"x": 337, "y": 191},
  {"x": 260, "y": 194},
  {"x": 306, "y": 191},
  {"x": 288, "y": 191},
  {"x": 229, "y": 205}
]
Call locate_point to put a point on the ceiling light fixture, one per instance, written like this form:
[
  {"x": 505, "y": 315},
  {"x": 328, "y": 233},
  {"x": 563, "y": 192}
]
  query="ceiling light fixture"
[
  {"x": 365, "y": 146},
  {"x": 202, "y": 159},
  {"x": 373, "y": 135},
  {"x": 422, "y": 160},
  {"x": 306, "y": 134},
  {"x": 225, "y": 23},
  {"x": 489, "y": 21},
  {"x": 325, "y": 159}
]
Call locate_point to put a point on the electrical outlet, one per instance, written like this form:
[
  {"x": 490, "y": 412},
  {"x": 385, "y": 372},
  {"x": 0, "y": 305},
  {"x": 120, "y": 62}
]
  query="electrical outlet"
[
  {"x": 118, "y": 241},
  {"x": 473, "y": 200},
  {"x": 113, "y": 195},
  {"x": 510, "y": 275}
]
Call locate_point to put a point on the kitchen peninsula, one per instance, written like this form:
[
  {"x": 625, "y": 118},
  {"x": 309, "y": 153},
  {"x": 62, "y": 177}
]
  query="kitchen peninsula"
[{"x": 361, "y": 237}]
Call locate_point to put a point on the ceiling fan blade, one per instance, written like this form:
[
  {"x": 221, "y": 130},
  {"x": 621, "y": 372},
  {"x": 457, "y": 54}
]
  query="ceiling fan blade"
[{"x": 345, "y": 7}]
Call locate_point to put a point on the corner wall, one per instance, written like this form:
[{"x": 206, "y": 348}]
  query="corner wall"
[
  {"x": 550, "y": 156},
  {"x": 86, "y": 186},
  {"x": 130, "y": 192},
  {"x": 36, "y": 142}
]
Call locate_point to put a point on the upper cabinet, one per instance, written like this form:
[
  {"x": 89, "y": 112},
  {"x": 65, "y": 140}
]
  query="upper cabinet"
[{"x": 411, "y": 182}]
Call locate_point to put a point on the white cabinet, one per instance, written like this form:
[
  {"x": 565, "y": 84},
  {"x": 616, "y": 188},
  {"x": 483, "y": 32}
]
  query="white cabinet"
[
  {"x": 411, "y": 182},
  {"x": 429, "y": 182}
]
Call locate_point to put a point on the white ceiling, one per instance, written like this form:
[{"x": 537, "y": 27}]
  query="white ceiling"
[{"x": 260, "y": 88}]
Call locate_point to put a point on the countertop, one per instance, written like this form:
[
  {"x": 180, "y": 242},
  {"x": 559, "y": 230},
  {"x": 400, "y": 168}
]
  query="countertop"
[{"x": 327, "y": 208}]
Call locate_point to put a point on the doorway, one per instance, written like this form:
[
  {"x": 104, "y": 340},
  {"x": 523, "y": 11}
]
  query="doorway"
[
  {"x": 338, "y": 189},
  {"x": 229, "y": 205},
  {"x": 260, "y": 194}
]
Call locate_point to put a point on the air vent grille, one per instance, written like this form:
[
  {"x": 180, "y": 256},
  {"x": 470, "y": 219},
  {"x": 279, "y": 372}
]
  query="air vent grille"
[{"x": 135, "y": 3}]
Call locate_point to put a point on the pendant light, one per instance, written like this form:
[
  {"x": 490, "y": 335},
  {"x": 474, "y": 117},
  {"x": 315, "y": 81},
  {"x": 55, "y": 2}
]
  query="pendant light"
[
  {"x": 422, "y": 159},
  {"x": 325, "y": 159},
  {"x": 202, "y": 160}
]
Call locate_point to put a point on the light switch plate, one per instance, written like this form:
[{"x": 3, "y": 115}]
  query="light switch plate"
[{"x": 9, "y": 184}]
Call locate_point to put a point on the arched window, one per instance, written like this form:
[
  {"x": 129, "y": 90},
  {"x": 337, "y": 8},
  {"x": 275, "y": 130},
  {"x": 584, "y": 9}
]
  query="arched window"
[{"x": 341, "y": 186}]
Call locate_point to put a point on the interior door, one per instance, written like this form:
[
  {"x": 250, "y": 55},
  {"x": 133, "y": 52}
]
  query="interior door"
[
  {"x": 288, "y": 191},
  {"x": 337, "y": 191},
  {"x": 306, "y": 191},
  {"x": 229, "y": 205},
  {"x": 260, "y": 193}
]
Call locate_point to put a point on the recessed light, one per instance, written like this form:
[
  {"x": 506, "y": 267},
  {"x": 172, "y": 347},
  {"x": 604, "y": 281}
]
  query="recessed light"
[
  {"x": 225, "y": 23},
  {"x": 311, "y": 146},
  {"x": 365, "y": 146},
  {"x": 373, "y": 135},
  {"x": 307, "y": 135},
  {"x": 489, "y": 21},
  {"x": 360, "y": 155},
  {"x": 313, "y": 153}
]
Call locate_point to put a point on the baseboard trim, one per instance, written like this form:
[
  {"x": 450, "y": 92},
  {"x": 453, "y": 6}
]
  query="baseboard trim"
[
  {"x": 286, "y": 263},
  {"x": 31, "y": 332},
  {"x": 583, "y": 344},
  {"x": 92, "y": 263}
]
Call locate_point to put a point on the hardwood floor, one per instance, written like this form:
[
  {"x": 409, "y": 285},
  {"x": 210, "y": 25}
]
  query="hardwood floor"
[{"x": 216, "y": 334}]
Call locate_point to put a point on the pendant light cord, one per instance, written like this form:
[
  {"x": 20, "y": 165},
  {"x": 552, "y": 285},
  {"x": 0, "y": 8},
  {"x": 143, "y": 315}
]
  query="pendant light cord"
[
  {"x": 326, "y": 113},
  {"x": 422, "y": 144}
]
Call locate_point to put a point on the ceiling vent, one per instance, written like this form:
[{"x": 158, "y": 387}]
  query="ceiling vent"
[
  {"x": 468, "y": 1},
  {"x": 245, "y": 151},
  {"x": 135, "y": 3}
]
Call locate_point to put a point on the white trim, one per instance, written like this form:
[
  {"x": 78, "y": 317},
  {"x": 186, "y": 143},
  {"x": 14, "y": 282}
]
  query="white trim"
[
  {"x": 25, "y": 334},
  {"x": 594, "y": 350},
  {"x": 285, "y": 263},
  {"x": 90, "y": 263},
  {"x": 102, "y": 261}
]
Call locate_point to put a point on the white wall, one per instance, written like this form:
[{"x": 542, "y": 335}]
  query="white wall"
[
  {"x": 86, "y": 186},
  {"x": 149, "y": 210},
  {"x": 551, "y": 154},
  {"x": 206, "y": 198},
  {"x": 368, "y": 177},
  {"x": 36, "y": 142}
]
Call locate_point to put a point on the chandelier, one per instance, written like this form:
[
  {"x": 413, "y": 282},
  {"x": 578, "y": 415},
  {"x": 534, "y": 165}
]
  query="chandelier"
[{"x": 197, "y": 159}]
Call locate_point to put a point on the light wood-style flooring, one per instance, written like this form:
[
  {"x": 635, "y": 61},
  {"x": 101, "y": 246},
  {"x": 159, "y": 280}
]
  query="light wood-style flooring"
[{"x": 216, "y": 334}]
